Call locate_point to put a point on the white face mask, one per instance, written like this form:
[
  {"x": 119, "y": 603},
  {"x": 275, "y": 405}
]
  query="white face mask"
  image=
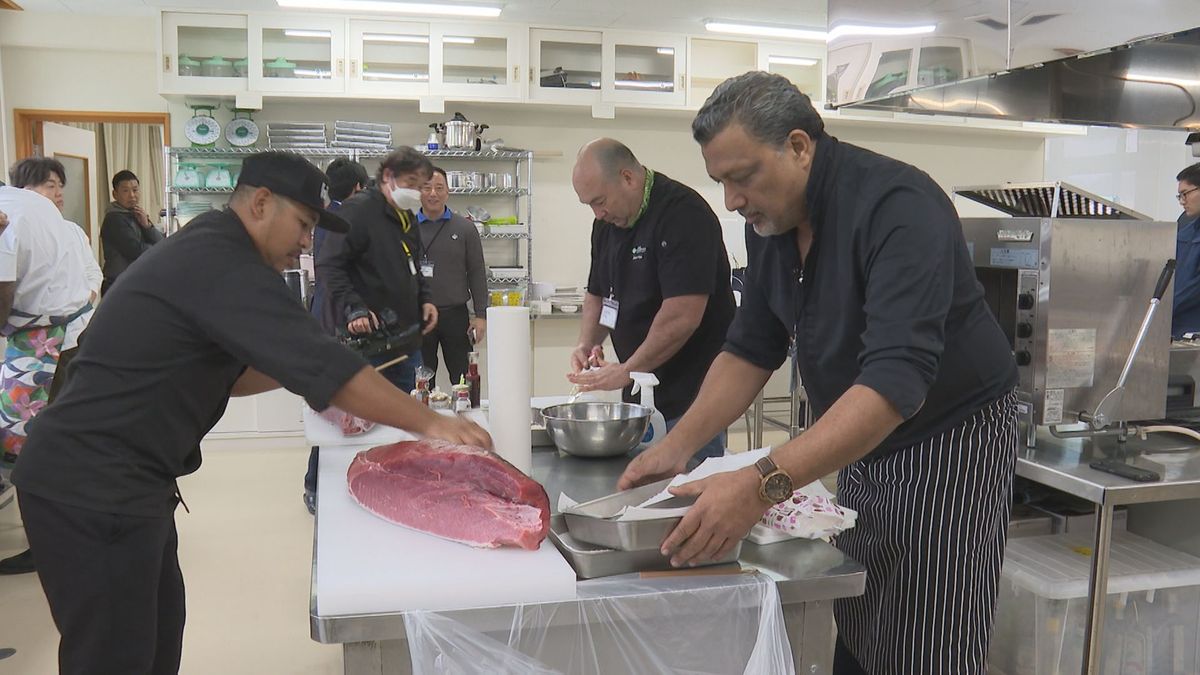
[{"x": 407, "y": 199}]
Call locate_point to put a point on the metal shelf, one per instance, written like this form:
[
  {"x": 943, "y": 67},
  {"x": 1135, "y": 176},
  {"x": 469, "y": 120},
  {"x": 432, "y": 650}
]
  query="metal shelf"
[
  {"x": 510, "y": 192},
  {"x": 504, "y": 235},
  {"x": 329, "y": 151},
  {"x": 201, "y": 191},
  {"x": 508, "y": 281}
]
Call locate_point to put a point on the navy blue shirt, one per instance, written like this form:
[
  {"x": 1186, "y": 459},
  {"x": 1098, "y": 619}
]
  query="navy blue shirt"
[
  {"x": 1186, "y": 316},
  {"x": 887, "y": 298}
]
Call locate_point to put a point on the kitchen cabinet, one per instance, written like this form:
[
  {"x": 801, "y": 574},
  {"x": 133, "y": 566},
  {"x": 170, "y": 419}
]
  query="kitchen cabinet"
[
  {"x": 203, "y": 53},
  {"x": 645, "y": 68},
  {"x": 389, "y": 57},
  {"x": 890, "y": 66},
  {"x": 565, "y": 65},
  {"x": 711, "y": 62},
  {"x": 477, "y": 61},
  {"x": 802, "y": 64},
  {"x": 297, "y": 54}
]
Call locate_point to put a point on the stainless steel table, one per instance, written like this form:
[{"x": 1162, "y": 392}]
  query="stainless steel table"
[
  {"x": 1063, "y": 464},
  {"x": 808, "y": 574}
]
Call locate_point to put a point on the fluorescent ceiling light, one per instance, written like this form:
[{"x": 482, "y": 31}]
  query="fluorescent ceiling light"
[
  {"x": 295, "y": 32},
  {"x": 387, "y": 37},
  {"x": 765, "y": 31},
  {"x": 643, "y": 84},
  {"x": 424, "y": 8},
  {"x": 843, "y": 30},
  {"x": 458, "y": 40},
  {"x": 410, "y": 77},
  {"x": 791, "y": 61},
  {"x": 666, "y": 51},
  {"x": 1161, "y": 79}
]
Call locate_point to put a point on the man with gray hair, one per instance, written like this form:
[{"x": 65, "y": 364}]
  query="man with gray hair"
[
  {"x": 659, "y": 284},
  {"x": 858, "y": 262}
]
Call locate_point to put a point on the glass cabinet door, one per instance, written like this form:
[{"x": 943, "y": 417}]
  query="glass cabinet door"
[
  {"x": 297, "y": 54},
  {"x": 803, "y": 65},
  {"x": 565, "y": 65},
  {"x": 711, "y": 62},
  {"x": 477, "y": 61},
  {"x": 204, "y": 53},
  {"x": 389, "y": 57},
  {"x": 644, "y": 68}
]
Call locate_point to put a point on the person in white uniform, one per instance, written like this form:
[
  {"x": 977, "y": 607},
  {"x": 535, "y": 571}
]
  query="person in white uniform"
[{"x": 49, "y": 279}]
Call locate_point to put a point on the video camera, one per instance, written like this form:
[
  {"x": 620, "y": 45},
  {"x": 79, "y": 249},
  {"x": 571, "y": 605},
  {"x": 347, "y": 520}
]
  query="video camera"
[{"x": 388, "y": 338}]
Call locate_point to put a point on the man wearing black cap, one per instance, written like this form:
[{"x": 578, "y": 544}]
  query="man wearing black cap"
[{"x": 203, "y": 316}]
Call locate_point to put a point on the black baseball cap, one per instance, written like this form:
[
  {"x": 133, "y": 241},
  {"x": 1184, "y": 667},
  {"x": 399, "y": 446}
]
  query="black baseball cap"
[{"x": 290, "y": 175}]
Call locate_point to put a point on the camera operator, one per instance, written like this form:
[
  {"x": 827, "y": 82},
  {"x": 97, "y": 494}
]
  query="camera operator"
[{"x": 374, "y": 268}]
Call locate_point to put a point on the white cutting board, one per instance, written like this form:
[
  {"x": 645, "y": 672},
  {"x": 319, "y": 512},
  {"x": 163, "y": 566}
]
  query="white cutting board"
[
  {"x": 367, "y": 565},
  {"x": 318, "y": 431}
]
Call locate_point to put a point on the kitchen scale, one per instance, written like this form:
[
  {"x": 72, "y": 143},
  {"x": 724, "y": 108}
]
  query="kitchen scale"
[
  {"x": 202, "y": 130},
  {"x": 241, "y": 132}
]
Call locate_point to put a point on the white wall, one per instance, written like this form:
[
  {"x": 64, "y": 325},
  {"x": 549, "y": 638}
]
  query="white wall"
[{"x": 1134, "y": 167}]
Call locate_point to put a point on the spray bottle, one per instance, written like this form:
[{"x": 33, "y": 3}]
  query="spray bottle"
[{"x": 645, "y": 383}]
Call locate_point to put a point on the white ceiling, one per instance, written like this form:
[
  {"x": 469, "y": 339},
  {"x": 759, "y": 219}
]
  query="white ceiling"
[{"x": 685, "y": 16}]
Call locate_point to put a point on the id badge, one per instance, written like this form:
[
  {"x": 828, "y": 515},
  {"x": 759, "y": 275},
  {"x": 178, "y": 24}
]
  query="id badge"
[
  {"x": 427, "y": 268},
  {"x": 412, "y": 267},
  {"x": 608, "y": 313}
]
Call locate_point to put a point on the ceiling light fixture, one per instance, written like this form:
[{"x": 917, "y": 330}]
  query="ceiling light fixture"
[
  {"x": 791, "y": 61},
  {"x": 424, "y": 8},
  {"x": 794, "y": 33},
  {"x": 450, "y": 40},
  {"x": 388, "y": 37},
  {"x": 304, "y": 33}
]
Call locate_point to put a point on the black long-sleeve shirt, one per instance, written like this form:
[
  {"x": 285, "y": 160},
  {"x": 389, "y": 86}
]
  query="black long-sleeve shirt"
[
  {"x": 124, "y": 241},
  {"x": 375, "y": 266},
  {"x": 162, "y": 354},
  {"x": 887, "y": 298}
]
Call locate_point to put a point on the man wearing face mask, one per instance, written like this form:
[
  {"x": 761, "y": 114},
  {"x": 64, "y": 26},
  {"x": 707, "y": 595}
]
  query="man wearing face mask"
[{"x": 374, "y": 268}]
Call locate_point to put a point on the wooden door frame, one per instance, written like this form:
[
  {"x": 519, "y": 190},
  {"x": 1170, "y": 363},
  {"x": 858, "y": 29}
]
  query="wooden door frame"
[{"x": 27, "y": 124}]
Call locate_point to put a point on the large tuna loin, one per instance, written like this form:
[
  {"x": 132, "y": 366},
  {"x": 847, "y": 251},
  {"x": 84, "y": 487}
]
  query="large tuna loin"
[{"x": 457, "y": 492}]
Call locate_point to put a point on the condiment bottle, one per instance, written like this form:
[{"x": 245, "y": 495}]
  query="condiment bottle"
[{"x": 473, "y": 379}]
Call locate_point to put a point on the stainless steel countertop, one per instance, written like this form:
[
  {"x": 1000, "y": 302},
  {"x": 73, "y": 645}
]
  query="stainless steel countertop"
[
  {"x": 1063, "y": 464},
  {"x": 805, "y": 571}
]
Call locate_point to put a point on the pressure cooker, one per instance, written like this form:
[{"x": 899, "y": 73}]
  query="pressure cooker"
[{"x": 460, "y": 133}]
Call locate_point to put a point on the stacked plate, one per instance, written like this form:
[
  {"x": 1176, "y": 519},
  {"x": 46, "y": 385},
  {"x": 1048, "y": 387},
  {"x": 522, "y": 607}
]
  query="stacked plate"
[
  {"x": 297, "y": 135},
  {"x": 362, "y": 135}
]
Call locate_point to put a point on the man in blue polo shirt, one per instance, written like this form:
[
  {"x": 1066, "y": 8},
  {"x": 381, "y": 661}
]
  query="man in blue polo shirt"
[{"x": 1186, "y": 317}]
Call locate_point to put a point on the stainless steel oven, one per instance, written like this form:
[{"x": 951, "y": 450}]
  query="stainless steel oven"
[{"x": 1069, "y": 275}]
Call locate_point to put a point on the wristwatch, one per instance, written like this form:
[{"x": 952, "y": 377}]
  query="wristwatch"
[{"x": 776, "y": 485}]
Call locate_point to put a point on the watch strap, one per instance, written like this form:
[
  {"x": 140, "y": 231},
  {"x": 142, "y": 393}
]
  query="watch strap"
[{"x": 765, "y": 466}]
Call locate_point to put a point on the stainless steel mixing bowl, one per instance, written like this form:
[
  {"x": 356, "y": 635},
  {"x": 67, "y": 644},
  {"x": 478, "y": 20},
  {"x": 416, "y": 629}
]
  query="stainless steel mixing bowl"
[{"x": 594, "y": 429}]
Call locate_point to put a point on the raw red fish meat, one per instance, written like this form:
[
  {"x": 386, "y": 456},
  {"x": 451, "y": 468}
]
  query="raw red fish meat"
[
  {"x": 349, "y": 424},
  {"x": 457, "y": 492}
]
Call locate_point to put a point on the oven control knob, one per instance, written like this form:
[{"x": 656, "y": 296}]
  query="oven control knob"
[
  {"x": 1023, "y": 358},
  {"x": 1024, "y": 330},
  {"x": 1025, "y": 301}
]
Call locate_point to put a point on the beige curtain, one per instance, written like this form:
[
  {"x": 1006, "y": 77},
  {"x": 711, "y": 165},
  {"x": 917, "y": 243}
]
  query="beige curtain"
[{"x": 136, "y": 147}]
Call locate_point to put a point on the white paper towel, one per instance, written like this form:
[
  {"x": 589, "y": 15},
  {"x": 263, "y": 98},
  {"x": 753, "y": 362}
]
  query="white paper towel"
[{"x": 509, "y": 354}]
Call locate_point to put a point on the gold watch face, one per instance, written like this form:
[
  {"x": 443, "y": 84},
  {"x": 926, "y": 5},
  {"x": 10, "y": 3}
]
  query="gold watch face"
[{"x": 777, "y": 487}]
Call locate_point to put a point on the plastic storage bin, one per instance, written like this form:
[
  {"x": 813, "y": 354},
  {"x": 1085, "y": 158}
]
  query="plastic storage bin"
[{"x": 1152, "y": 618}]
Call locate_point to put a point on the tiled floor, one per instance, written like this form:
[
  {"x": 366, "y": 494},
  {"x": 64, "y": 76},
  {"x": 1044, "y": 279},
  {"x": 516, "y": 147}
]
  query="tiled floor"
[{"x": 246, "y": 553}]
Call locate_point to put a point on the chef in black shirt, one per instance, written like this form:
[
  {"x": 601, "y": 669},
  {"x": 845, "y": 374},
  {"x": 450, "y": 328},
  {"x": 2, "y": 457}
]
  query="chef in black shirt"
[
  {"x": 861, "y": 261},
  {"x": 203, "y": 316},
  {"x": 659, "y": 283}
]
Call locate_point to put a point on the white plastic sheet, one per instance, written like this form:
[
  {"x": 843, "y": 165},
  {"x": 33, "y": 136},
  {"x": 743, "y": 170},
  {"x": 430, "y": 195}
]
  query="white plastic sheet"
[{"x": 687, "y": 625}]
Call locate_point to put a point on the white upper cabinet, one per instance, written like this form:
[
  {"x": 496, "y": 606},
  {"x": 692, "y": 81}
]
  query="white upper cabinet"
[
  {"x": 390, "y": 58},
  {"x": 645, "y": 68},
  {"x": 297, "y": 54},
  {"x": 565, "y": 65},
  {"x": 711, "y": 62},
  {"x": 203, "y": 53},
  {"x": 477, "y": 61},
  {"x": 801, "y": 63}
]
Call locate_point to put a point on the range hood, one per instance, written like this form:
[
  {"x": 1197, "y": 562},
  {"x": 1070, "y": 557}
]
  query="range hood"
[{"x": 1103, "y": 62}]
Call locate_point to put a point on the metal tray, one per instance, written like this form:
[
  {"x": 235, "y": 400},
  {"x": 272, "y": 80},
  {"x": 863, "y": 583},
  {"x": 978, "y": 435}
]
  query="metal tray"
[
  {"x": 590, "y": 522},
  {"x": 590, "y": 561}
]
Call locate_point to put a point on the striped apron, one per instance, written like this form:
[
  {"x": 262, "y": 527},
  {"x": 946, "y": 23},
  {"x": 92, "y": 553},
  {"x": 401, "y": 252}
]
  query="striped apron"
[{"x": 932, "y": 524}]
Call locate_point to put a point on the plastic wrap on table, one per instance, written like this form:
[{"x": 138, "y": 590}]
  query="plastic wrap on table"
[{"x": 621, "y": 624}]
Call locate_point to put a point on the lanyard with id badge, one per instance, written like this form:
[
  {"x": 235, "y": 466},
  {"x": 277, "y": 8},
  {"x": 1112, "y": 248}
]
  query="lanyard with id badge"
[
  {"x": 427, "y": 265},
  {"x": 608, "y": 312}
]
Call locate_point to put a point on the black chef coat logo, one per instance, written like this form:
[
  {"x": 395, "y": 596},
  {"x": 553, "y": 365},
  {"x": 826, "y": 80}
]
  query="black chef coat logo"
[{"x": 639, "y": 252}]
